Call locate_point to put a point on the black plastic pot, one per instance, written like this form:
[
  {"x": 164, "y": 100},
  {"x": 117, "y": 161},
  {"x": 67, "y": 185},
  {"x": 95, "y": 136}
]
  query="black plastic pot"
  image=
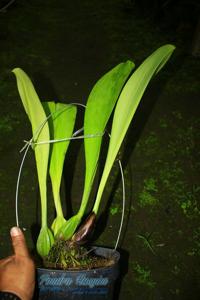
[{"x": 95, "y": 284}]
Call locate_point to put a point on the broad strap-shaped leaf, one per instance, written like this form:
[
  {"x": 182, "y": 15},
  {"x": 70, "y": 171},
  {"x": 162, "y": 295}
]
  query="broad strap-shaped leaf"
[
  {"x": 40, "y": 129},
  {"x": 99, "y": 107},
  {"x": 61, "y": 125},
  {"x": 63, "y": 118},
  {"x": 126, "y": 106}
]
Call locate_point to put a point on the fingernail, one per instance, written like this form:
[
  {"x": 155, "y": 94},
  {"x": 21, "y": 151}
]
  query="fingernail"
[{"x": 15, "y": 231}]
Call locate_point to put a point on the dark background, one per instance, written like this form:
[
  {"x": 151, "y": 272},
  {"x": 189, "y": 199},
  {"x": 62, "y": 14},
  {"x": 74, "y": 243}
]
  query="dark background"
[{"x": 65, "y": 46}]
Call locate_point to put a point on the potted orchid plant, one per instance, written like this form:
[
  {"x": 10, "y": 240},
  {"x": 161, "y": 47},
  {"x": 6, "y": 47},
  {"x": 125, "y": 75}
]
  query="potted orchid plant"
[{"x": 117, "y": 94}]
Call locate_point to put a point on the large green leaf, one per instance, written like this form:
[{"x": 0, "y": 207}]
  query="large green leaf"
[
  {"x": 40, "y": 129},
  {"x": 61, "y": 123},
  {"x": 126, "y": 106},
  {"x": 99, "y": 107}
]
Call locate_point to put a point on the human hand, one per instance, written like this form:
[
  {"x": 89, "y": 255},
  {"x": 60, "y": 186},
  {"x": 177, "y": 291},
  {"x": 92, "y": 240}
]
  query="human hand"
[{"x": 17, "y": 272}]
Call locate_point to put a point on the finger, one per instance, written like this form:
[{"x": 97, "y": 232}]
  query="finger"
[
  {"x": 18, "y": 242},
  {"x": 6, "y": 260}
]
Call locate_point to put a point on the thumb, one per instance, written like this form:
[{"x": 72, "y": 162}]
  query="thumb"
[{"x": 18, "y": 242}]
